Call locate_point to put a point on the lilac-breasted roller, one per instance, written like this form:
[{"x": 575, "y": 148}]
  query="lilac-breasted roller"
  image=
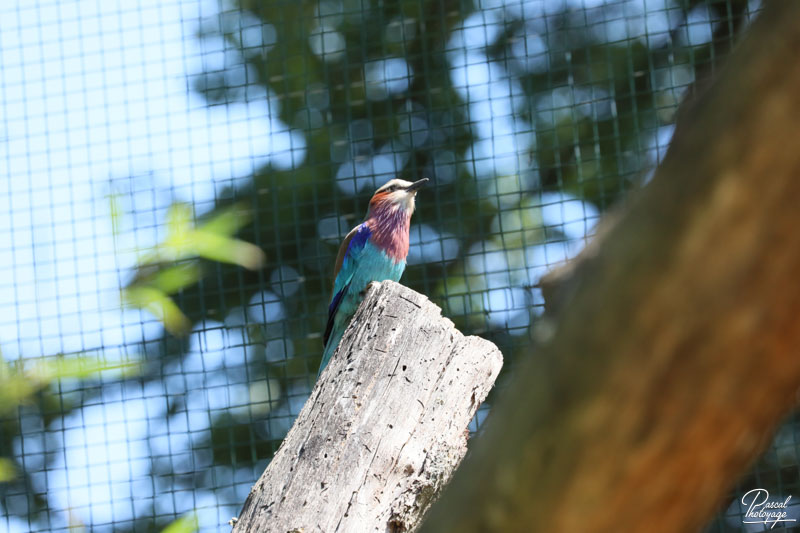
[{"x": 375, "y": 250}]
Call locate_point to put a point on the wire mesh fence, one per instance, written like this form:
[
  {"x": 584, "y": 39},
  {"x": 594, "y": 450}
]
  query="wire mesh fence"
[{"x": 177, "y": 176}]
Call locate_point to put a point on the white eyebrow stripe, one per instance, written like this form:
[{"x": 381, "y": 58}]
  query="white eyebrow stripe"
[{"x": 396, "y": 182}]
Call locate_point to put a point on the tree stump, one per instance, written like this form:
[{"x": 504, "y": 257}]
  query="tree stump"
[{"x": 383, "y": 429}]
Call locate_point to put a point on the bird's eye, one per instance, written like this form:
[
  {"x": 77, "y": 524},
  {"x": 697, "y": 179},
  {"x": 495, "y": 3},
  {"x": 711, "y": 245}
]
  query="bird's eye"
[{"x": 392, "y": 188}]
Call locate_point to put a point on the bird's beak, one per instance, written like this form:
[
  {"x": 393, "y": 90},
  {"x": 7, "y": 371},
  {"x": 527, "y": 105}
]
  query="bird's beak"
[{"x": 416, "y": 185}]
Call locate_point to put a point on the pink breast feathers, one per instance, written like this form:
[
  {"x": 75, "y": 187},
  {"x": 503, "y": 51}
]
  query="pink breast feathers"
[{"x": 389, "y": 224}]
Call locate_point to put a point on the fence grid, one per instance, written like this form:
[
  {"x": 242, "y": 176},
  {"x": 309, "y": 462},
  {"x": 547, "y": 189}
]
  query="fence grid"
[{"x": 176, "y": 176}]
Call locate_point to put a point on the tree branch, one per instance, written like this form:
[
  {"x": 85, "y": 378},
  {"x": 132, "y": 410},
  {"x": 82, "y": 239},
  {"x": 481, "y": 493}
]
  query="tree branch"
[{"x": 675, "y": 353}]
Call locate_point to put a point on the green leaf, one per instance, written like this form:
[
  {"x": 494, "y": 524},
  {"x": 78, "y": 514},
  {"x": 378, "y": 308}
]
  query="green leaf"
[
  {"x": 20, "y": 380},
  {"x": 49, "y": 369},
  {"x": 185, "y": 524},
  {"x": 173, "y": 265},
  {"x": 8, "y": 470},
  {"x": 212, "y": 240},
  {"x": 160, "y": 305},
  {"x": 175, "y": 278},
  {"x": 228, "y": 221},
  {"x": 227, "y": 250}
]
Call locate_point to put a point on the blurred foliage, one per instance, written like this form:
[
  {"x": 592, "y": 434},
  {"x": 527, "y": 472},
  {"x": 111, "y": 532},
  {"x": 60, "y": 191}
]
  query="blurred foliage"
[
  {"x": 21, "y": 380},
  {"x": 34, "y": 392},
  {"x": 8, "y": 471},
  {"x": 587, "y": 107},
  {"x": 184, "y": 524},
  {"x": 175, "y": 263}
]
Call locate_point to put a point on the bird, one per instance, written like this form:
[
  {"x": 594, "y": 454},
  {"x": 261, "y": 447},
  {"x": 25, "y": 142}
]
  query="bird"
[{"x": 375, "y": 250}]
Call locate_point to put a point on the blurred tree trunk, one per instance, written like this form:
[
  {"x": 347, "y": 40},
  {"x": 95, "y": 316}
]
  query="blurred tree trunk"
[{"x": 676, "y": 349}]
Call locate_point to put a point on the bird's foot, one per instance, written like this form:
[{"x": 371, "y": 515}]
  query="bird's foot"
[{"x": 371, "y": 285}]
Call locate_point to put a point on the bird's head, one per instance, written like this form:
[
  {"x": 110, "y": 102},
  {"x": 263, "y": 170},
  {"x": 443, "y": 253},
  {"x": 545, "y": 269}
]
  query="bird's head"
[{"x": 396, "y": 194}]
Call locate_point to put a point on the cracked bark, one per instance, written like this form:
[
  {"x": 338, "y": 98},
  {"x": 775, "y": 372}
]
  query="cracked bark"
[{"x": 383, "y": 429}]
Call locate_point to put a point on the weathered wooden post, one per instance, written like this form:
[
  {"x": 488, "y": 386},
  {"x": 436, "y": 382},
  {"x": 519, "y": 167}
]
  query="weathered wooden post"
[{"x": 384, "y": 428}]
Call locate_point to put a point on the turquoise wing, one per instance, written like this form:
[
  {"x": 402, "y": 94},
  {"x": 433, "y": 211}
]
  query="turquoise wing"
[{"x": 346, "y": 265}]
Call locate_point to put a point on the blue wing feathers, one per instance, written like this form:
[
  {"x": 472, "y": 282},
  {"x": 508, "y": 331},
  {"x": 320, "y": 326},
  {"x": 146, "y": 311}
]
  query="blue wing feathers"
[
  {"x": 337, "y": 299},
  {"x": 359, "y": 239},
  {"x": 345, "y": 274}
]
